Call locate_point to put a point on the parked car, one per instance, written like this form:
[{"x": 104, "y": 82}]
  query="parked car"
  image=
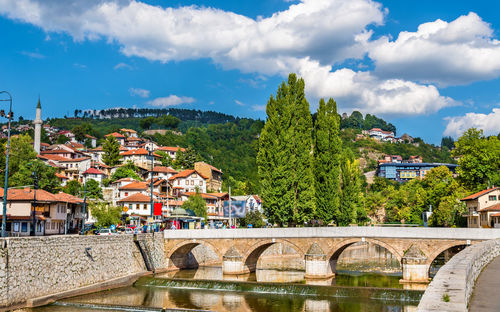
[{"x": 106, "y": 232}]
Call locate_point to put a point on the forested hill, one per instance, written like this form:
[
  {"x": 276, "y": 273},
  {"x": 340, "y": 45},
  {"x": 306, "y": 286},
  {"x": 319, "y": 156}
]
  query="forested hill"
[{"x": 229, "y": 142}]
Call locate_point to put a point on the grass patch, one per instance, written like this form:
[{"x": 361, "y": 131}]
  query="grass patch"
[{"x": 446, "y": 298}]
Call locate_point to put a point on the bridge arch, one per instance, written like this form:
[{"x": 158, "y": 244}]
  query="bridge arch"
[
  {"x": 442, "y": 248},
  {"x": 251, "y": 257},
  {"x": 337, "y": 249},
  {"x": 180, "y": 256}
]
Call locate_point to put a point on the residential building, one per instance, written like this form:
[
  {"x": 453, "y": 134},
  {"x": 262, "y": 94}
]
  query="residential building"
[
  {"x": 483, "y": 208},
  {"x": 129, "y": 133},
  {"x": 189, "y": 181},
  {"x": 92, "y": 139},
  {"x": 407, "y": 171},
  {"x": 214, "y": 175},
  {"x": 253, "y": 203},
  {"x": 94, "y": 174},
  {"x": 415, "y": 160},
  {"x": 138, "y": 207},
  {"x": 119, "y": 137},
  {"x": 381, "y": 135},
  {"x": 161, "y": 172},
  {"x": 170, "y": 151},
  {"x": 140, "y": 157}
]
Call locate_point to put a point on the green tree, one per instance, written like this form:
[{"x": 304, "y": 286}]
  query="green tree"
[
  {"x": 350, "y": 202},
  {"x": 327, "y": 153},
  {"x": 111, "y": 149},
  {"x": 186, "y": 159},
  {"x": 168, "y": 121},
  {"x": 285, "y": 161},
  {"x": 255, "y": 218},
  {"x": 105, "y": 214},
  {"x": 45, "y": 176},
  {"x": 93, "y": 189},
  {"x": 448, "y": 142},
  {"x": 479, "y": 163},
  {"x": 197, "y": 204},
  {"x": 147, "y": 122},
  {"x": 62, "y": 139},
  {"x": 165, "y": 159},
  {"x": 73, "y": 187},
  {"x": 128, "y": 170}
]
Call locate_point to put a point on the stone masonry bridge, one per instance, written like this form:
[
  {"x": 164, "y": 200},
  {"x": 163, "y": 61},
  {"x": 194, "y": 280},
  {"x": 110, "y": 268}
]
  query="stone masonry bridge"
[{"x": 238, "y": 250}]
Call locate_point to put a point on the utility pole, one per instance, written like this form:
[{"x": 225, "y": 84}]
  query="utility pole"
[
  {"x": 6, "y": 185},
  {"x": 35, "y": 187},
  {"x": 84, "y": 200},
  {"x": 151, "y": 154}
]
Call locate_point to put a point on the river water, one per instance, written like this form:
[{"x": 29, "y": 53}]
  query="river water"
[{"x": 206, "y": 289}]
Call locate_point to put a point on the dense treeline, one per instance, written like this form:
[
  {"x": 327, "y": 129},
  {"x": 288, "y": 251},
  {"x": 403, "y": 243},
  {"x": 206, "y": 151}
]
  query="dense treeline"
[{"x": 357, "y": 121}]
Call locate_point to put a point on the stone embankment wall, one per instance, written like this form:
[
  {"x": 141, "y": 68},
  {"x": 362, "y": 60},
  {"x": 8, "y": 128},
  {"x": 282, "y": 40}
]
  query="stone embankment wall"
[
  {"x": 153, "y": 244},
  {"x": 455, "y": 280},
  {"x": 32, "y": 267}
]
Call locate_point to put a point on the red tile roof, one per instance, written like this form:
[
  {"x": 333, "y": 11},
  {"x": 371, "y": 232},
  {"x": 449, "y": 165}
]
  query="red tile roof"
[
  {"x": 93, "y": 171},
  {"x": 128, "y": 130},
  {"x": 170, "y": 148},
  {"x": 139, "y": 151},
  {"x": 116, "y": 135},
  {"x": 163, "y": 169},
  {"x": 203, "y": 195},
  {"x": 135, "y": 186},
  {"x": 41, "y": 195},
  {"x": 90, "y": 137},
  {"x": 495, "y": 207},
  {"x": 68, "y": 198},
  {"x": 185, "y": 174},
  {"x": 61, "y": 176},
  {"x": 76, "y": 159},
  {"x": 136, "y": 198},
  {"x": 53, "y": 157},
  {"x": 476, "y": 195},
  {"x": 57, "y": 151}
]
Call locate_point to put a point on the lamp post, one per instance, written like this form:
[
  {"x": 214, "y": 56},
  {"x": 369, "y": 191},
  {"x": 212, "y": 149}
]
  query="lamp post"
[
  {"x": 84, "y": 200},
  {"x": 34, "y": 175},
  {"x": 151, "y": 155},
  {"x": 5, "y": 189}
]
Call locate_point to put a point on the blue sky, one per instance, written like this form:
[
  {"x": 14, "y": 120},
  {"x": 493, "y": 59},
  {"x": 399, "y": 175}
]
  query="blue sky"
[{"x": 430, "y": 67}]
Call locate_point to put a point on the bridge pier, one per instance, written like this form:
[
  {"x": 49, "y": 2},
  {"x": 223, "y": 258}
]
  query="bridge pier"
[
  {"x": 318, "y": 266},
  {"x": 232, "y": 263},
  {"x": 415, "y": 266}
]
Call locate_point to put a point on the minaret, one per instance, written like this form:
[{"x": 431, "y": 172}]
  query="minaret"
[{"x": 38, "y": 126}]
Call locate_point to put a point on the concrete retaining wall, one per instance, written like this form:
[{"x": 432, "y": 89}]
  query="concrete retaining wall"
[
  {"x": 456, "y": 279},
  {"x": 32, "y": 267}
]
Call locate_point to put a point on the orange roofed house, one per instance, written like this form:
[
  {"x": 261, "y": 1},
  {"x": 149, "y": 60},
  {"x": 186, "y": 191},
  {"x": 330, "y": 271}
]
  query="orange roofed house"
[
  {"x": 214, "y": 175},
  {"x": 483, "y": 208}
]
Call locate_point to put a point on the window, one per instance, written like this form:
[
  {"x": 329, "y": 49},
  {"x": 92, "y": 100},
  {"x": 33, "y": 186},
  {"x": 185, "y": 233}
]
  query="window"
[
  {"x": 145, "y": 207},
  {"x": 192, "y": 182},
  {"x": 126, "y": 193},
  {"x": 492, "y": 197},
  {"x": 178, "y": 182},
  {"x": 201, "y": 183},
  {"x": 24, "y": 227},
  {"x": 129, "y": 206},
  {"x": 16, "y": 226},
  {"x": 137, "y": 206}
]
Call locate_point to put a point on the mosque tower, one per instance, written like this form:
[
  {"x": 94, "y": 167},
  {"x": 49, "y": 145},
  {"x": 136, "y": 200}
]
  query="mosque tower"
[{"x": 38, "y": 126}]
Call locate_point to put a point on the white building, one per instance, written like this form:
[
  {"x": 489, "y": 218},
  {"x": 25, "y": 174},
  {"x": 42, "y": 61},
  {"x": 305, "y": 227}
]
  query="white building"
[{"x": 189, "y": 180}]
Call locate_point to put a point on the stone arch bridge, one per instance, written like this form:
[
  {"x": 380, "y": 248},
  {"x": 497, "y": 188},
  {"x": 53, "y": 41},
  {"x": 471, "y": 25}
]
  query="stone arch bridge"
[{"x": 238, "y": 250}]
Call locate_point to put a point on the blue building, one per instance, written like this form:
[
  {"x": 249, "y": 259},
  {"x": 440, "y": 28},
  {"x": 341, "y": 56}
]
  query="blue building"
[{"x": 402, "y": 172}]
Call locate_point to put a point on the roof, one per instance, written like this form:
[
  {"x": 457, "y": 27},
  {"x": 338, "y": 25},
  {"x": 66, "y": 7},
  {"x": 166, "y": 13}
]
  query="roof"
[
  {"x": 61, "y": 176},
  {"x": 90, "y": 137},
  {"x": 186, "y": 173},
  {"x": 215, "y": 169},
  {"x": 41, "y": 195},
  {"x": 163, "y": 169},
  {"x": 75, "y": 159},
  {"x": 136, "y": 185},
  {"x": 57, "y": 151},
  {"x": 170, "y": 148},
  {"x": 123, "y": 180},
  {"x": 138, "y": 151},
  {"x": 495, "y": 214},
  {"x": 93, "y": 171},
  {"x": 128, "y": 130},
  {"x": 68, "y": 198},
  {"x": 116, "y": 135},
  {"x": 203, "y": 195},
  {"x": 478, "y": 194},
  {"x": 136, "y": 198},
  {"x": 53, "y": 157},
  {"x": 133, "y": 139},
  {"x": 495, "y": 207},
  {"x": 175, "y": 202},
  {"x": 219, "y": 195},
  {"x": 418, "y": 165}
]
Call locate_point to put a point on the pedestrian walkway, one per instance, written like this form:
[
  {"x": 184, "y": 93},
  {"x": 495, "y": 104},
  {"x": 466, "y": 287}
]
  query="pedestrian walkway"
[{"x": 485, "y": 296}]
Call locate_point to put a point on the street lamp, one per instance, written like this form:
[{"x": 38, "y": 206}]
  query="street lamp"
[
  {"x": 84, "y": 200},
  {"x": 151, "y": 155},
  {"x": 5, "y": 189},
  {"x": 34, "y": 175}
]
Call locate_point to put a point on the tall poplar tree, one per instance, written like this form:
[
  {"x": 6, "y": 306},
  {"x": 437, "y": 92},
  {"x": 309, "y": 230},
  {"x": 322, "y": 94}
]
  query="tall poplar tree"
[
  {"x": 350, "y": 201},
  {"x": 111, "y": 149},
  {"x": 327, "y": 154},
  {"x": 285, "y": 160}
]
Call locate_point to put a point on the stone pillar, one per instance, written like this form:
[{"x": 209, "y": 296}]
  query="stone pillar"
[
  {"x": 317, "y": 264},
  {"x": 232, "y": 263},
  {"x": 415, "y": 267}
]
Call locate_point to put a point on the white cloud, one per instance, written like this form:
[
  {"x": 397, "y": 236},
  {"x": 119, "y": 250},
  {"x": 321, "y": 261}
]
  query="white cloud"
[
  {"x": 122, "y": 66},
  {"x": 171, "y": 100},
  {"x": 33, "y": 55},
  {"x": 239, "y": 103},
  {"x": 490, "y": 123},
  {"x": 139, "y": 92},
  {"x": 454, "y": 53},
  {"x": 259, "y": 108}
]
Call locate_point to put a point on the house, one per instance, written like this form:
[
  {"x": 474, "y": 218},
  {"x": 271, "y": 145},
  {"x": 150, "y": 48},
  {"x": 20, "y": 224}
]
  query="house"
[
  {"x": 402, "y": 172},
  {"x": 214, "y": 203},
  {"x": 133, "y": 142},
  {"x": 138, "y": 207},
  {"x": 92, "y": 139},
  {"x": 95, "y": 174},
  {"x": 140, "y": 157},
  {"x": 483, "y": 208},
  {"x": 160, "y": 187},
  {"x": 214, "y": 175},
  {"x": 119, "y": 137},
  {"x": 51, "y": 211},
  {"x": 170, "y": 151},
  {"x": 381, "y": 135},
  {"x": 69, "y": 135},
  {"x": 189, "y": 181},
  {"x": 129, "y": 133},
  {"x": 161, "y": 172},
  {"x": 415, "y": 160},
  {"x": 74, "y": 168},
  {"x": 63, "y": 180}
]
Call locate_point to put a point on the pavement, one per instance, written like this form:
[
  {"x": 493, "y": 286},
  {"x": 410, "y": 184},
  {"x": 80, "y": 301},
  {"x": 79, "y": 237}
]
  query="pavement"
[{"x": 486, "y": 293}]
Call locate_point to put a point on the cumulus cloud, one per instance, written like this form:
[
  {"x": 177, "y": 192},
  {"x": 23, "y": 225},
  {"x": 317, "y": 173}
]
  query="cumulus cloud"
[
  {"x": 139, "y": 92},
  {"x": 454, "y": 53},
  {"x": 171, "y": 100},
  {"x": 307, "y": 38},
  {"x": 490, "y": 123}
]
